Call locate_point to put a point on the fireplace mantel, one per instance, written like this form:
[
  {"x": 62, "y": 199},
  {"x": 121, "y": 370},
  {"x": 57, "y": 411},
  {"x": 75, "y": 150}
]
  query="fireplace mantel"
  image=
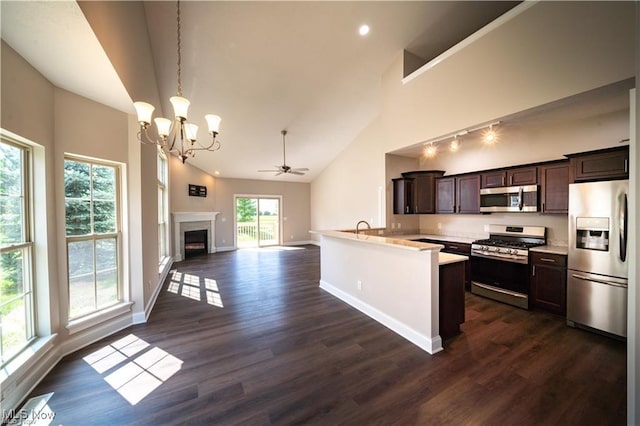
[{"x": 180, "y": 218}]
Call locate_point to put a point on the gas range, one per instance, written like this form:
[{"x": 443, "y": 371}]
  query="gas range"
[
  {"x": 500, "y": 264},
  {"x": 509, "y": 243}
]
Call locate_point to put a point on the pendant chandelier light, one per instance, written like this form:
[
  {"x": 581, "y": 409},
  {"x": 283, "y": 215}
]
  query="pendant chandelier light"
[{"x": 177, "y": 136}]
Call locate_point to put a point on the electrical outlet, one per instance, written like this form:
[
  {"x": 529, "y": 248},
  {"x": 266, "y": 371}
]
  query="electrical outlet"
[
  {"x": 399, "y": 225},
  {"x": 439, "y": 225},
  {"x": 292, "y": 236},
  {"x": 393, "y": 225},
  {"x": 224, "y": 241},
  {"x": 359, "y": 285}
]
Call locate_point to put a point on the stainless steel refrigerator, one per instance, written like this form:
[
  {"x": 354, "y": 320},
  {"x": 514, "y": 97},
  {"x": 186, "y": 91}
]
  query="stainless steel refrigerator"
[{"x": 597, "y": 275}]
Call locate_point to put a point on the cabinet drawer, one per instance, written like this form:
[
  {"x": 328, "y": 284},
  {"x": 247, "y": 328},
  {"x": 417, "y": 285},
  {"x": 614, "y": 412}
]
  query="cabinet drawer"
[
  {"x": 548, "y": 259},
  {"x": 457, "y": 248}
]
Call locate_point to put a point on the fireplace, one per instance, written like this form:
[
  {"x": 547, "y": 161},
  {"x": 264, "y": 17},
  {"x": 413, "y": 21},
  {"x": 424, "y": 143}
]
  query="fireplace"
[
  {"x": 195, "y": 243},
  {"x": 184, "y": 222}
]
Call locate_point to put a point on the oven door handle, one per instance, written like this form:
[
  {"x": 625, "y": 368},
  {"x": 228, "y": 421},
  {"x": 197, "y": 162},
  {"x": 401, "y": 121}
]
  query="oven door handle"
[{"x": 500, "y": 290}]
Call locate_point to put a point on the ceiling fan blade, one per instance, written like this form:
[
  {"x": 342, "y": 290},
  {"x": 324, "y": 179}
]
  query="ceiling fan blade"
[
  {"x": 294, "y": 172},
  {"x": 269, "y": 171},
  {"x": 301, "y": 169},
  {"x": 279, "y": 173}
]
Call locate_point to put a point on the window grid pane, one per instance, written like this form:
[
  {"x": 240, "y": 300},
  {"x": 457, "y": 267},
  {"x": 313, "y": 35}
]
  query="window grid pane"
[
  {"x": 12, "y": 196},
  {"x": 93, "y": 215},
  {"x": 16, "y": 295},
  {"x": 163, "y": 210}
]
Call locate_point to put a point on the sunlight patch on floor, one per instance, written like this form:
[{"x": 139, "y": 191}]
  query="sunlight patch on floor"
[
  {"x": 139, "y": 376},
  {"x": 193, "y": 287}
]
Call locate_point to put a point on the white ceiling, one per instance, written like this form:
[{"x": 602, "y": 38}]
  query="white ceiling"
[{"x": 262, "y": 66}]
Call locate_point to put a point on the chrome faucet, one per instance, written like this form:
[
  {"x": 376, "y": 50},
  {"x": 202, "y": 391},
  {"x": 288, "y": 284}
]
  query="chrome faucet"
[{"x": 358, "y": 225}]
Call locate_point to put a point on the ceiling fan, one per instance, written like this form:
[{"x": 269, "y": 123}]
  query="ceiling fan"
[{"x": 284, "y": 168}]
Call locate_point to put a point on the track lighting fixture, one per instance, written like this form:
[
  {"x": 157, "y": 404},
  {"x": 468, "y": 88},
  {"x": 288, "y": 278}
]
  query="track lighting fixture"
[{"x": 489, "y": 136}]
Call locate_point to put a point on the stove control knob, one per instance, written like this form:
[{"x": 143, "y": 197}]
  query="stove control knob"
[{"x": 513, "y": 251}]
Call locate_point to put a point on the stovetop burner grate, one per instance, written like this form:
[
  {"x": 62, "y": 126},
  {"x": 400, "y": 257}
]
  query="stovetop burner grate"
[{"x": 507, "y": 243}]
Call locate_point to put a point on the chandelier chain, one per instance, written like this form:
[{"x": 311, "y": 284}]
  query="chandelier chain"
[{"x": 179, "y": 48}]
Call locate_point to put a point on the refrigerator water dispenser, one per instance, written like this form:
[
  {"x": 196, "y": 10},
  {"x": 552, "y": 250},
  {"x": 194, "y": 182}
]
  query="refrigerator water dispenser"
[{"x": 592, "y": 233}]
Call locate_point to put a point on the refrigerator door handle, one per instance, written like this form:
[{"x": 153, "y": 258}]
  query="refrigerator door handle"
[
  {"x": 623, "y": 229},
  {"x": 596, "y": 280}
]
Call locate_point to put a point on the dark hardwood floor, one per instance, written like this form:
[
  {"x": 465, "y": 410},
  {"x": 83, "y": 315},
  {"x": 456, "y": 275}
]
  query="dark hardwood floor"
[{"x": 262, "y": 344}]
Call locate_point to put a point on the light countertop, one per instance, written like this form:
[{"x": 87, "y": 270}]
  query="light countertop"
[
  {"x": 562, "y": 250},
  {"x": 403, "y": 243},
  {"x": 386, "y": 241},
  {"x": 446, "y": 238},
  {"x": 447, "y": 258}
]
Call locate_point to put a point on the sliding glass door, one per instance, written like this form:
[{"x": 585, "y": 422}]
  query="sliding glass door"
[{"x": 257, "y": 221}]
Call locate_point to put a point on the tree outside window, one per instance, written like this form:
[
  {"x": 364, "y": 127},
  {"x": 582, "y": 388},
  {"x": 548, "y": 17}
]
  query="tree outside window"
[{"x": 93, "y": 235}]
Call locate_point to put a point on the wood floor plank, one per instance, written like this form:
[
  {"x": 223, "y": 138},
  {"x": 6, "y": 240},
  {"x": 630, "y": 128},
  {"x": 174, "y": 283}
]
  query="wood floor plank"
[{"x": 260, "y": 343}]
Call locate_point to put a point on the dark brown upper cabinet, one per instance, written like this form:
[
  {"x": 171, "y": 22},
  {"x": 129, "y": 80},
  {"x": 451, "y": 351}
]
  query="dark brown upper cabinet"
[
  {"x": 603, "y": 164},
  {"x": 522, "y": 176},
  {"x": 414, "y": 193},
  {"x": 402, "y": 196},
  {"x": 510, "y": 177},
  {"x": 554, "y": 187},
  {"x": 458, "y": 194},
  {"x": 446, "y": 195},
  {"x": 494, "y": 179}
]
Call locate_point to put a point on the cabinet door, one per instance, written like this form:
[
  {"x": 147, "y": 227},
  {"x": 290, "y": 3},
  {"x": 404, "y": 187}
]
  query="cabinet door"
[
  {"x": 468, "y": 191},
  {"x": 451, "y": 305},
  {"x": 494, "y": 179},
  {"x": 549, "y": 282},
  {"x": 402, "y": 196},
  {"x": 445, "y": 195},
  {"x": 423, "y": 190},
  {"x": 554, "y": 188},
  {"x": 613, "y": 164},
  {"x": 522, "y": 176}
]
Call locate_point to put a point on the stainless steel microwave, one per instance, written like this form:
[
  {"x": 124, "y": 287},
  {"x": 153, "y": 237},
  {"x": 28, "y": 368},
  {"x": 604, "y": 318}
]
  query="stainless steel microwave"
[{"x": 509, "y": 199}]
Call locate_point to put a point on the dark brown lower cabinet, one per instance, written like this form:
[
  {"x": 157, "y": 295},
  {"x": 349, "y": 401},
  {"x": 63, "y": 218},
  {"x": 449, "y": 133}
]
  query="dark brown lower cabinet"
[
  {"x": 451, "y": 306},
  {"x": 549, "y": 282}
]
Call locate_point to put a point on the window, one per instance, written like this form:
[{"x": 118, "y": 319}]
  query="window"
[
  {"x": 16, "y": 250},
  {"x": 163, "y": 206},
  {"x": 92, "y": 215}
]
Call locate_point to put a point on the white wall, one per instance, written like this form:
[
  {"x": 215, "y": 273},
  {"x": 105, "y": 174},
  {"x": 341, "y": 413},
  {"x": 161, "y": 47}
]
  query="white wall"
[{"x": 352, "y": 187}]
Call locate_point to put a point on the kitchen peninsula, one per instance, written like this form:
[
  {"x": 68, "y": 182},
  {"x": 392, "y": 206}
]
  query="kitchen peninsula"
[{"x": 394, "y": 281}]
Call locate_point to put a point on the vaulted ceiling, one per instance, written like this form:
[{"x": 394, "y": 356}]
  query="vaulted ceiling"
[{"x": 262, "y": 66}]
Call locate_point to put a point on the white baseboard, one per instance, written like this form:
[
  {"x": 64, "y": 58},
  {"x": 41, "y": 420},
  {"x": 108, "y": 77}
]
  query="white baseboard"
[
  {"x": 142, "y": 317},
  {"x": 430, "y": 345},
  {"x": 228, "y": 248}
]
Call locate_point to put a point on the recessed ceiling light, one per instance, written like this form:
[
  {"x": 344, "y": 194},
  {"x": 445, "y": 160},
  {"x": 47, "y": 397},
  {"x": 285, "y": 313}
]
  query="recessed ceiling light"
[
  {"x": 216, "y": 173},
  {"x": 363, "y": 30}
]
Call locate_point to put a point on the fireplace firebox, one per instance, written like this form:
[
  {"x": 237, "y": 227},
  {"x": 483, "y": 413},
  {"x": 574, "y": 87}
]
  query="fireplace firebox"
[{"x": 195, "y": 243}]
